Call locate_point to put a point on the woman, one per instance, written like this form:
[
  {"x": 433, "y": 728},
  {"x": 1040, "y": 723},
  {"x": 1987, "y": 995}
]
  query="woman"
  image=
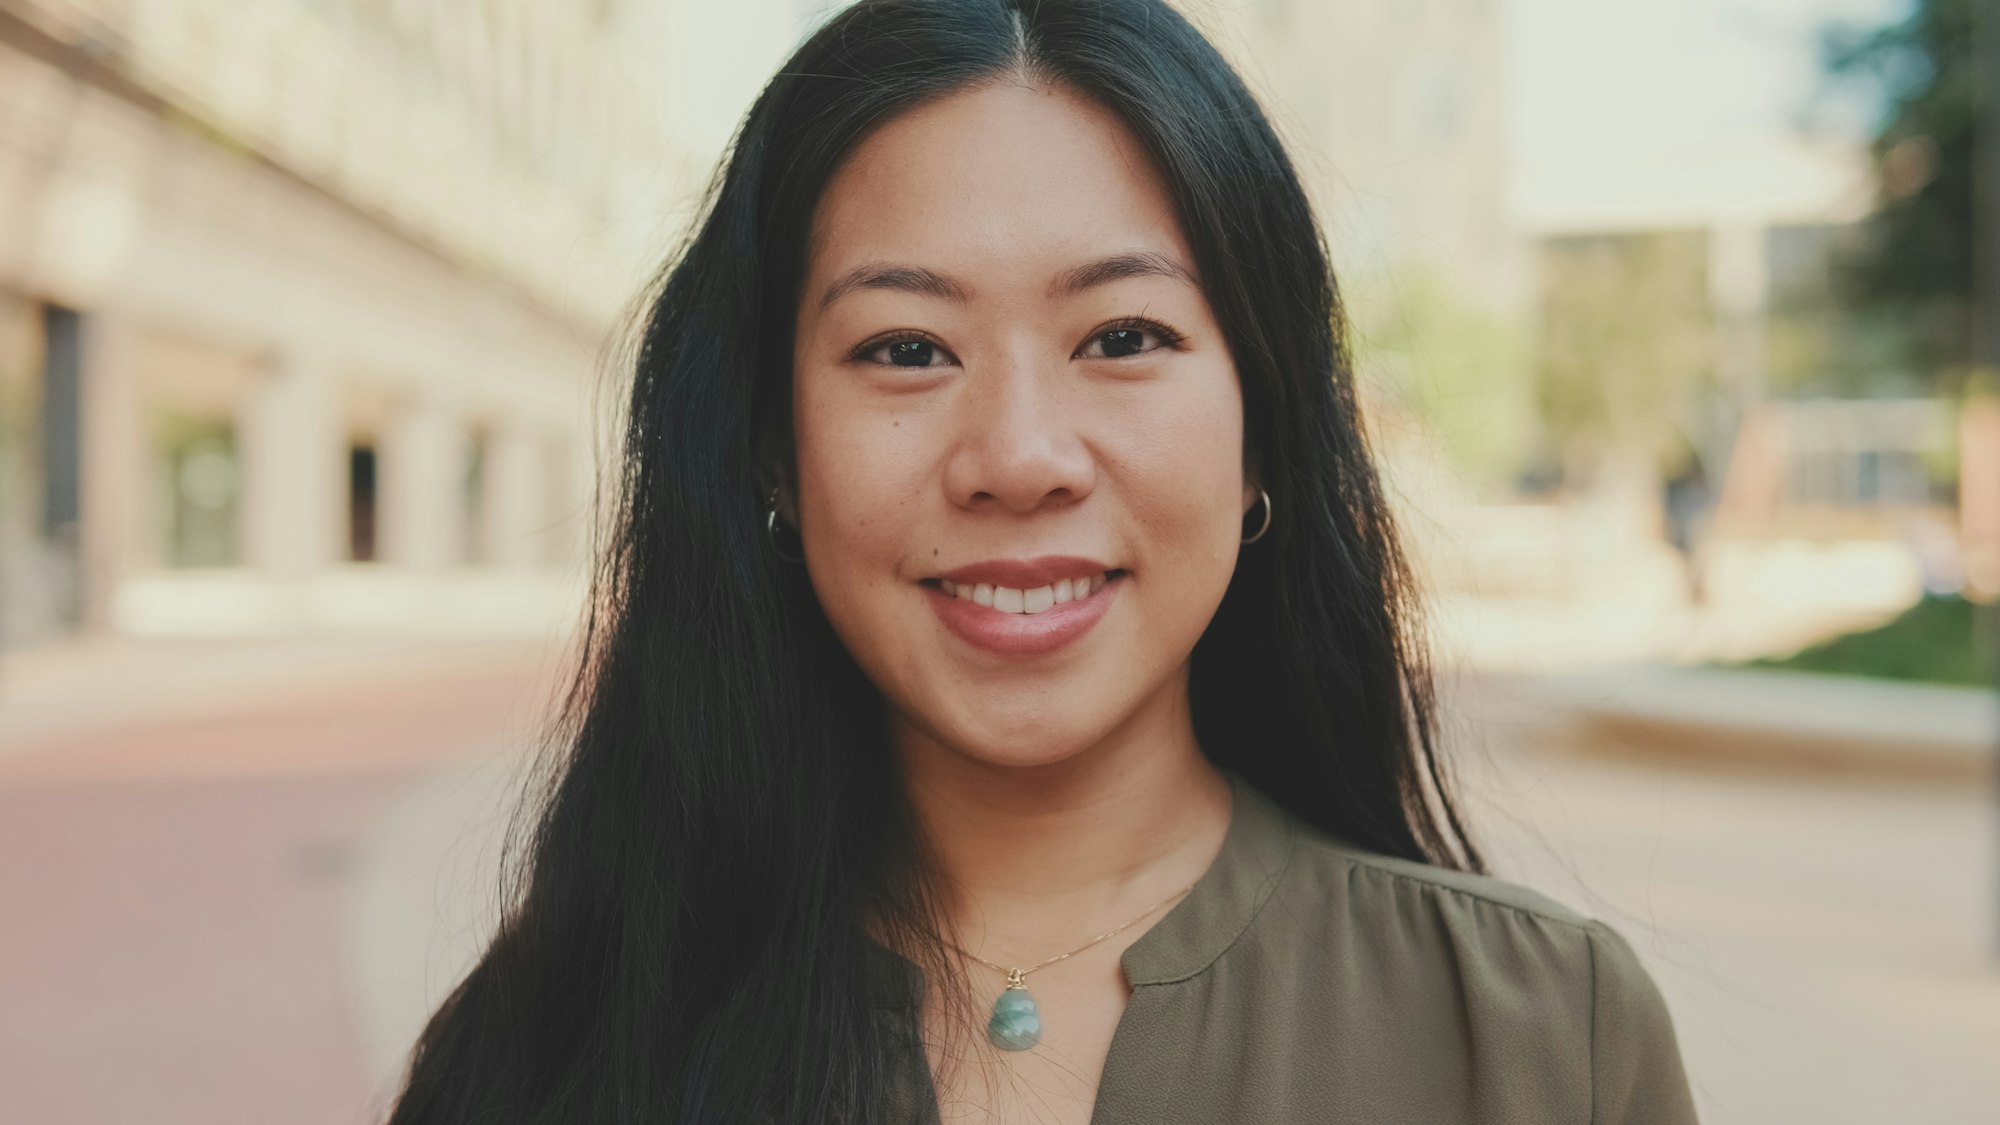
[{"x": 1001, "y": 699}]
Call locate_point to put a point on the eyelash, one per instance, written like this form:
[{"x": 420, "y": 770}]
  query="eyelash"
[{"x": 1168, "y": 339}]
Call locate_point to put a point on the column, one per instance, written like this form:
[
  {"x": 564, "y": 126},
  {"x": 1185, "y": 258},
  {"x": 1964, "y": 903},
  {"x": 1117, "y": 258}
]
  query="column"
[
  {"x": 421, "y": 471},
  {"x": 112, "y": 447},
  {"x": 515, "y": 496},
  {"x": 293, "y": 456}
]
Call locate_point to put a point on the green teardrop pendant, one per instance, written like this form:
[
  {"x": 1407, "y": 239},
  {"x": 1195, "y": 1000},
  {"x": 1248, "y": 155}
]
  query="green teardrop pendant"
[{"x": 1015, "y": 1025}]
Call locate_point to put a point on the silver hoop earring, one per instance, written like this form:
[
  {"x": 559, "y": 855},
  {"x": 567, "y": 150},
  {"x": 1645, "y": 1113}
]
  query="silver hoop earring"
[
  {"x": 1267, "y": 518},
  {"x": 771, "y": 529}
]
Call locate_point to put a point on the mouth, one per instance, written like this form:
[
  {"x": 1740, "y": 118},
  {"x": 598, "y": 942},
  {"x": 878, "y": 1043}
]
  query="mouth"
[
  {"x": 1026, "y": 602},
  {"x": 1016, "y": 623}
]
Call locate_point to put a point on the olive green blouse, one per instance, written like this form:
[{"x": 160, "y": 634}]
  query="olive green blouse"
[{"x": 1306, "y": 980}]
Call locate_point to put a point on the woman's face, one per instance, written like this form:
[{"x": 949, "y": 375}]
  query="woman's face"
[{"x": 1007, "y": 374}]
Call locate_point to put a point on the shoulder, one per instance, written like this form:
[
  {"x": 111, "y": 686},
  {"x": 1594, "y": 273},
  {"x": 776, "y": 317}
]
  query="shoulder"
[
  {"x": 1477, "y": 951},
  {"x": 1504, "y": 926},
  {"x": 1320, "y": 860}
]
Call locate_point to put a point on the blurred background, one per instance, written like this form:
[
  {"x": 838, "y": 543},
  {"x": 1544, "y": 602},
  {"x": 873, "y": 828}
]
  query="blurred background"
[{"x": 1673, "y": 321}]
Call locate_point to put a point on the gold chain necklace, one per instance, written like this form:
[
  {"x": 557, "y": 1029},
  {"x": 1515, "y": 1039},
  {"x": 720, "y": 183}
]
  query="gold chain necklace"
[{"x": 1016, "y": 1024}]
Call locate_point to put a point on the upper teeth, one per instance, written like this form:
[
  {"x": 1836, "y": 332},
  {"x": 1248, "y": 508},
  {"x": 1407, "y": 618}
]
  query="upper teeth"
[{"x": 1010, "y": 600}]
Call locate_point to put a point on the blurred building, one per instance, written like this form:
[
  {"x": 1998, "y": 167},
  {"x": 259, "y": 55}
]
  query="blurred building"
[
  {"x": 304, "y": 306},
  {"x": 302, "y": 303},
  {"x": 1690, "y": 330},
  {"x": 1392, "y": 110},
  {"x": 1743, "y": 230},
  {"x": 1394, "y": 114},
  {"x": 1709, "y": 317}
]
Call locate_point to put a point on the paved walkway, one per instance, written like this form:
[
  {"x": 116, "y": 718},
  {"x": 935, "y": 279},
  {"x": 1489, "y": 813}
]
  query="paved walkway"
[
  {"x": 181, "y": 941},
  {"x": 78, "y": 686},
  {"x": 1751, "y": 718},
  {"x": 1828, "y": 940},
  {"x": 242, "y": 910}
]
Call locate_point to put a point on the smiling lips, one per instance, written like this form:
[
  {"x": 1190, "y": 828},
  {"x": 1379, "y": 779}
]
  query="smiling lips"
[
  {"x": 1023, "y": 606},
  {"x": 1010, "y": 599}
]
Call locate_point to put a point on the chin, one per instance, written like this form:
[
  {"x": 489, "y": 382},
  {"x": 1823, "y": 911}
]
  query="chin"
[
  {"x": 1024, "y": 741},
  {"x": 1019, "y": 757}
]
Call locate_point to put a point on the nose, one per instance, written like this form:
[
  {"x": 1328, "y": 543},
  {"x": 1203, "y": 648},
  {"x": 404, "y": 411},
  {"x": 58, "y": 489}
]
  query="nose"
[{"x": 1020, "y": 440}]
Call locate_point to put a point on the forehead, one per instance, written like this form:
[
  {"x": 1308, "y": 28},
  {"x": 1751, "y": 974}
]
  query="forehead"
[{"x": 1001, "y": 177}]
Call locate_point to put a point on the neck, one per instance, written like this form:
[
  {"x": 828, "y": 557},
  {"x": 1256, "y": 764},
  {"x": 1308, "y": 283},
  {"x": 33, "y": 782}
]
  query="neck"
[{"x": 1034, "y": 854}]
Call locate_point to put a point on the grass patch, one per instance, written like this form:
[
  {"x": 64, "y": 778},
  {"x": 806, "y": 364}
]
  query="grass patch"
[{"x": 1939, "y": 640}]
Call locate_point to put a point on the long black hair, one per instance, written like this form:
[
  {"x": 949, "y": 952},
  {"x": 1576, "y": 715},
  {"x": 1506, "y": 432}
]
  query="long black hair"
[{"x": 721, "y": 833}]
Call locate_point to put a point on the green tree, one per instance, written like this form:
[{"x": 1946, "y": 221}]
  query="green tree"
[
  {"x": 1461, "y": 368},
  {"x": 1916, "y": 261},
  {"x": 1626, "y": 347},
  {"x": 1823, "y": 339}
]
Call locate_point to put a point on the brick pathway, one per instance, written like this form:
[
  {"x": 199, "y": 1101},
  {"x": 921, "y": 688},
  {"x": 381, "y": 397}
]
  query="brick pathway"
[
  {"x": 237, "y": 913},
  {"x": 173, "y": 891}
]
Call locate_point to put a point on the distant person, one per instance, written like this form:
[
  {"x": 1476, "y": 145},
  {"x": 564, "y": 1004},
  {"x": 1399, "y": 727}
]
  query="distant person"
[
  {"x": 1688, "y": 503},
  {"x": 994, "y": 700}
]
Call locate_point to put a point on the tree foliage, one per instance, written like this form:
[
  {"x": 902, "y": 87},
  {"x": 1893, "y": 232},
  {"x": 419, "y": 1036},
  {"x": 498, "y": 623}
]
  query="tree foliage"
[
  {"x": 1626, "y": 345},
  {"x": 1918, "y": 259},
  {"x": 1461, "y": 369}
]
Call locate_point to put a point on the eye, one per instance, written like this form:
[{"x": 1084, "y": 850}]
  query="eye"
[
  {"x": 1124, "y": 339},
  {"x": 906, "y": 350}
]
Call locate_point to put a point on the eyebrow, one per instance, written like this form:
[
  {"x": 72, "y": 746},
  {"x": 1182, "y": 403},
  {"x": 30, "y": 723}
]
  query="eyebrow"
[{"x": 930, "y": 283}]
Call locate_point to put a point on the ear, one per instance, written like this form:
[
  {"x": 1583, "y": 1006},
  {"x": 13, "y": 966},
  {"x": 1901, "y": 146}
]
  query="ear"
[
  {"x": 768, "y": 479},
  {"x": 774, "y": 472}
]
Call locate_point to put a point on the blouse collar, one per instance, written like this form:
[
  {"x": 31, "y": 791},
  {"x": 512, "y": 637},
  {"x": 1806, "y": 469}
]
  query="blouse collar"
[{"x": 1224, "y": 901}]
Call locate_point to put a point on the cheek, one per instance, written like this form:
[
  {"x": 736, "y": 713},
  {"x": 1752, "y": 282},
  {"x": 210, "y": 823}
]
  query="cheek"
[
  {"x": 1184, "y": 468},
  {"x": 859, "y": 476}
]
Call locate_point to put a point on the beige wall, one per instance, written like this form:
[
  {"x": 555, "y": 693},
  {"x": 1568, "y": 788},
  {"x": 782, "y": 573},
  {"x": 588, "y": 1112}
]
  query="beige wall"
[
  {"x": 216, "y": 285},
  {"x": 412, "y": 225},
  {"x": 1392, "y": 110}
]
